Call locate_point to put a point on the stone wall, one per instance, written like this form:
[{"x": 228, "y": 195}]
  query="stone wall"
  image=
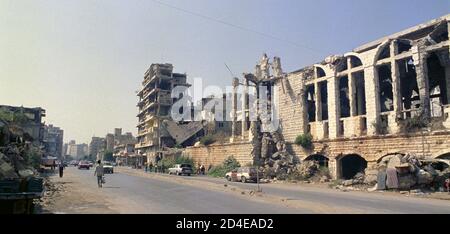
[
  {"x": 290, "y": 106},
  {"x": 372, "y": 148},
  {"x": 216, "y": 154}
]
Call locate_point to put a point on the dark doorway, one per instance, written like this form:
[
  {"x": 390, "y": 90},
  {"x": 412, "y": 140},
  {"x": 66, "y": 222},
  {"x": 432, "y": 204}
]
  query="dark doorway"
[{"x": 352, "y": 164}]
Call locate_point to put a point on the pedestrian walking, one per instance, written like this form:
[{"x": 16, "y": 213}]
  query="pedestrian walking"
[
  {"x": 61, "y": 170},
  {"x": 99, "y": 172},
  {"x": 151, "y": 166},
  {"x": 202, "y": 169}
]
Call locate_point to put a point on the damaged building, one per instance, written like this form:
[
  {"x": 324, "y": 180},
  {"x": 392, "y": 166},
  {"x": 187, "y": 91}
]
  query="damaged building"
[
  {"x": 53, "y": 140},
  {"x": 155, "y": 102},
  {"x": 387, "y": 97}
]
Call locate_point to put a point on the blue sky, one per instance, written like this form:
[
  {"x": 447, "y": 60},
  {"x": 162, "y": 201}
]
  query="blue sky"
[{"x": 83, "y": 60}]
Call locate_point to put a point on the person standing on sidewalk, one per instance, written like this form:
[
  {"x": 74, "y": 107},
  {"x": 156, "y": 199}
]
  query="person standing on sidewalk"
[
  {"x": 61, "y": 169},
  {"x": 99, "y": 172}
]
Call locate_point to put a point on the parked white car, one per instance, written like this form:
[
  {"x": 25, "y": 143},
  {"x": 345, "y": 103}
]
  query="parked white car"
[
  {"x": 181, "y": 169},
  {"x": 108, "y": 167}
]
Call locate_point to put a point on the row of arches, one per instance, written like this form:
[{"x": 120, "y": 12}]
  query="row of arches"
[
  {"x": 348, "y": 165},
  {"x": 396, "y": 74}
]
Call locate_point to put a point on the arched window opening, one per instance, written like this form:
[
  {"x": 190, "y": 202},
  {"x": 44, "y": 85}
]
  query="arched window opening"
[
  {"x": 403, "y": 46},
  {"x": 385, "y": 52},
  {"x": 342, "y": 65},
  {"x": 320, "y": 72},
  {"x": 355, "y": 61}
]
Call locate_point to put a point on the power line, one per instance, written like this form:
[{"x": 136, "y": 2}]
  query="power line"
[{"x": 237, "y": 26}]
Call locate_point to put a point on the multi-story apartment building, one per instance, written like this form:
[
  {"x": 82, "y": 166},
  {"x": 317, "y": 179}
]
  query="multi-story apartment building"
[
  {"x": 53, "y": 141},
  {"x": 155, "y": 104},
  {"x": 97, "y": 144}
]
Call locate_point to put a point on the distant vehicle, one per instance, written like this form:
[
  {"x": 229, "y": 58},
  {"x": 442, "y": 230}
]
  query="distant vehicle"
[
  {"x": 243, "y": 174},
  {"x": 84, "y": 164},
  {"x": 74, "y": 163},
  {"x": 181, "y": 169},
  {"x": 91, "y": 164},
  {"x": 108, "y": 168}
]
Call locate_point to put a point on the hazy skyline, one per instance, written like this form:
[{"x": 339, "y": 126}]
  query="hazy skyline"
[{"x": 83, "y": 61}]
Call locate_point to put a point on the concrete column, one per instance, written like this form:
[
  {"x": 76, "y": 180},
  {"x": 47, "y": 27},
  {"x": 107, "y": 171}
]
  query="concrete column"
[
  {"x": 352, "y": 94},
  {"x": 318, "y": 100},
  {"x": 420, "y": 62},
  {"x": 351, "y": 90},
  {"x": 372, "y": 99},
  {"x": 333, "y": 168},
  {"x": 333, "y": 107},
  {"x": 396, "y": 89},
  {"x": 303, "y": 118},
  {"x": 244, "y": 108},
  {"x": 234, "y": 109},
  {"x": 447, "y": 81},
  {"x": 447, "y": 71}
]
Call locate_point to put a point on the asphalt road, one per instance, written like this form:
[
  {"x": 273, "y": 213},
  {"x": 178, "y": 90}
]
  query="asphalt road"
[
  {"x": 138, "y": 194},
  {"x": 134, "y": 194},
  {"x": 363, "y": 202}
]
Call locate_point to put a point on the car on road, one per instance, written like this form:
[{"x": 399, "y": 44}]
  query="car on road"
[
  {"x": 108, "y": 167},
  {"x": 84, "y": 165},
  {"x": 181, "y": 169},
  {"x": 243, "y": 174}
]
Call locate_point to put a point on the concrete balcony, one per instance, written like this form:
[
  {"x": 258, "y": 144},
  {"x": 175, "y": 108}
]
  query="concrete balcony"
[
  {"x": 145, "y": 144},
  {"x": 319, "y": 130},
  {"x": 354, "y": 126}
]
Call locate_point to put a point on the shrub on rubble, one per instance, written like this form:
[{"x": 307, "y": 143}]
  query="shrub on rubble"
[
  {"x": 304, "y": 140},
  {"x": 228, "y": 165}
]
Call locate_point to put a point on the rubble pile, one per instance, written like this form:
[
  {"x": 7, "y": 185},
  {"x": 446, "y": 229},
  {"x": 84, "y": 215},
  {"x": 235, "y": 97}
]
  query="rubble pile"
[
  {"x": 308, "y": 169},
  {"x": 14, "y": 153},
  {"x": 404, "y": 172},
  {"x": 274, "y": 160},
  {"x": 13, "y": 165},
  {"x": 358, "y": 179}
]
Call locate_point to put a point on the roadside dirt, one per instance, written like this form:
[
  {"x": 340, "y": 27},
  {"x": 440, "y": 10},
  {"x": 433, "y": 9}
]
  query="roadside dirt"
[{"x": 68, "y": 195}]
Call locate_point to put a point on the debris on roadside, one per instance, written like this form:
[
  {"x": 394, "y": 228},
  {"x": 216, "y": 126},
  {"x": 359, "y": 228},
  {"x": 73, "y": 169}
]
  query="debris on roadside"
[{"x": 406, "y": 172}]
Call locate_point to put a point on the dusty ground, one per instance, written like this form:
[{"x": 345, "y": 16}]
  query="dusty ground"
[{"x": 69, "y": 195}]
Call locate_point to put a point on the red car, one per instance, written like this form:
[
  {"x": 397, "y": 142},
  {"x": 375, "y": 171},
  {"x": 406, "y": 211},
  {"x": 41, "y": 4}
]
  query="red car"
[{"x": 84, "y": 164}]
